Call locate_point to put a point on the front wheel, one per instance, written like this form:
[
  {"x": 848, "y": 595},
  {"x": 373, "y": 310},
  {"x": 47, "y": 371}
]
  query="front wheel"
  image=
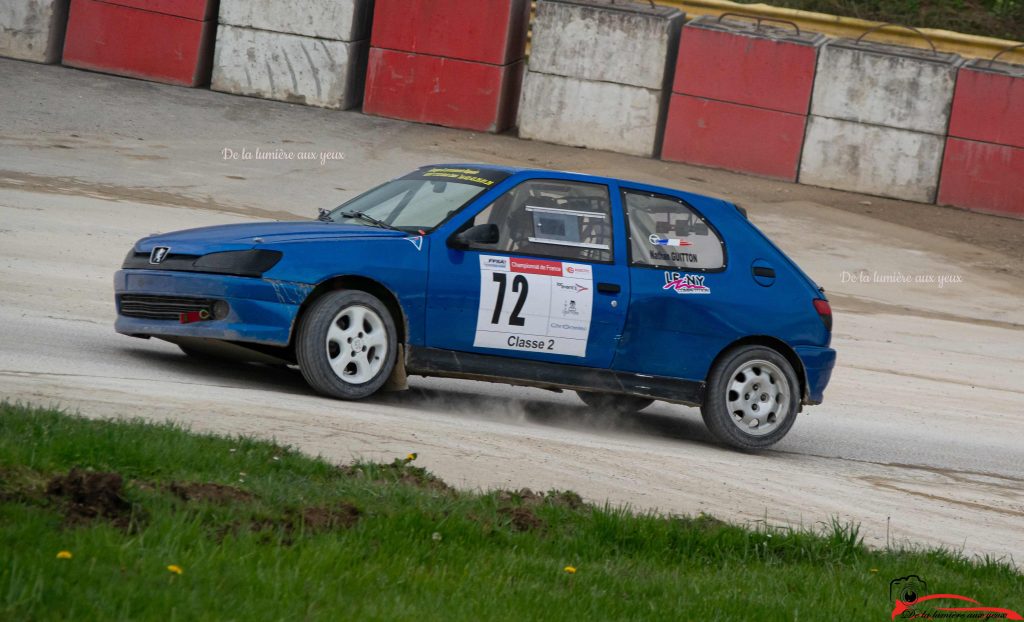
[
  {"x": 752, "y": 398},
  {"x": 347, "y": 344},
  {"x": 614, "y": 403}
]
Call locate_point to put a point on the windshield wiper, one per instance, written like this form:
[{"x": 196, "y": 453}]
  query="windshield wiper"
[{"x": 373, "y": 221}]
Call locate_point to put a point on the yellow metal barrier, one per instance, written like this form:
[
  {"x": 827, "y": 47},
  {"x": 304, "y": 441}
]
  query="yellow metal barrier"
[{"x": 970, "y": 46}]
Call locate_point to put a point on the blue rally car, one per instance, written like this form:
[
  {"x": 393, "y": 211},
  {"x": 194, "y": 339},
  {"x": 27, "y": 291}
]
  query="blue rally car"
[{"x": 622, "y": 292}]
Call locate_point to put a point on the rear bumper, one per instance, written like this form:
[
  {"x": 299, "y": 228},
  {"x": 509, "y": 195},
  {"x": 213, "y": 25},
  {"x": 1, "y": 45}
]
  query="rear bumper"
[
  {"x": 261, "y": 311},
  {"x": 818, "y": 364}
]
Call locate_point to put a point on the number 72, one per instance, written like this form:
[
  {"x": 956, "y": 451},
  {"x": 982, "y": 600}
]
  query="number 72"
[{"x": 519, "y": 285}]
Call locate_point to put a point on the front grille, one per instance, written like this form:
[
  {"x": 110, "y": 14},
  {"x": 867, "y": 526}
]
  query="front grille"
[{"x": 162, "y": 307}]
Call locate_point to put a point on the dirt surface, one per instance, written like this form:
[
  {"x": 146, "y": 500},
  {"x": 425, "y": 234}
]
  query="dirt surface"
[
  {"x": 86, "y": 496},
  {"x": 917, "y": 439},
  {"x": 209, "y": 492}
]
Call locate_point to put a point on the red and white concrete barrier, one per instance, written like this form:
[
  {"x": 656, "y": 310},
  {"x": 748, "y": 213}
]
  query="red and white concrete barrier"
[
  {"x": 161, "y": 40},
  {"x": 456, "y": 63},
  {"x": 33, "y": 29},
  {"x": 879, "y": 116},
  {"x": 597, "y": 75},
  {"x": 741, "y": 96},
  {"x": 983, "y": 168},
  {"x": 311, "y": 52}
]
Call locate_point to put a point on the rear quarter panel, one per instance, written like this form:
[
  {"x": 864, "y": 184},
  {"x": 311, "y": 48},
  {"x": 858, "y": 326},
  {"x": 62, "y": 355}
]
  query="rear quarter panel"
[{"x": 676, "y": 335}]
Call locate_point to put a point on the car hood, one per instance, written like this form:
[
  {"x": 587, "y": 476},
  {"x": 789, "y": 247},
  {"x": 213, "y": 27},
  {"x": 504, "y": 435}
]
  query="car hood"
[{"x": 233, "y": 237}]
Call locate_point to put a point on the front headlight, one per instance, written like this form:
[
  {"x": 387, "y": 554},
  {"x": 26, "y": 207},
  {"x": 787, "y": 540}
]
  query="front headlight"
[{"x": 238, "y": 263}]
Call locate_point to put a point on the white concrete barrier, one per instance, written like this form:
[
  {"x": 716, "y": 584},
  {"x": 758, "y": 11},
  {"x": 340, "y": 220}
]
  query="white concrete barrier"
[
  {"x": 871, "y": 159},
  {"x": 308, "y": 52},
  {"x": 598, "y": 74},
  {"x": 879, "y": 116},
  {"x": 291, "y": 68},
  {"x": 905, "y": 88},
  {"x": 337, "y": 20},
  {"x": 625, "y": 44},
  {"x": 583, "y": 113},
  {"x": 33, "y": 29}
]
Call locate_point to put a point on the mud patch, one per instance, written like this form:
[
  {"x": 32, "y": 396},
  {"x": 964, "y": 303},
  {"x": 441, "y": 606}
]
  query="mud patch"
[
  {"x": 307, "y": 521},
  {"x": 525, "y": 496},
  {"x": 399, "y": 471},
  {"x": 208, "y": 492},
  {"x": 86, "y": 496},
  {"x": 321, "y": 519},
  {"x": 520, "y": 518}
]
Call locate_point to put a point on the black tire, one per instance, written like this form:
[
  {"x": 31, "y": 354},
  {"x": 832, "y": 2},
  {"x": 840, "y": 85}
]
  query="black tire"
[
  {"x": 315, "y": 351},
  {"x": 775, "y": 416},
  {"x": 614, "y": 403}
]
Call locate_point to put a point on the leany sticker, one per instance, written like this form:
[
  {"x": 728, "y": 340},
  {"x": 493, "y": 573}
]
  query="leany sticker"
[{"x": 686, "y": 283}]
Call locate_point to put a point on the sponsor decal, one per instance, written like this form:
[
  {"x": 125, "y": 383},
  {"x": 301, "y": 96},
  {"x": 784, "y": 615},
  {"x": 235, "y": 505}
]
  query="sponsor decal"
[
  {"x": 158, "y": 254},
  {"x": 911, "y": 600},
  {"x": 570, "y": 287},
  {"x": 479, "y": 177},
  {"x": 686, "y": 283},
  {"x": 536, "y": 266},
  {"x": 656, "y": 241},
  {"x": 416, "y": 241},
  {"x": 567, "y": 326},
  {"x": 533, "y": 305},
  {"x": 494, "y": 263},
  {"x": 577, "y": 271}
]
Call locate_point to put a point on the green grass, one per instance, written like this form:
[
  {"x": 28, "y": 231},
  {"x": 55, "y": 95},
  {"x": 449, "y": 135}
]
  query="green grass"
[
  {"x": 1003, "y": 19},
  {"x": 263, "y": 554}
]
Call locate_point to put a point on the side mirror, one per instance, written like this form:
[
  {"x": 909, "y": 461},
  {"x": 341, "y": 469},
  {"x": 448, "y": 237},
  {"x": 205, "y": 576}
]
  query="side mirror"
[{"x": 480, "y": 234}]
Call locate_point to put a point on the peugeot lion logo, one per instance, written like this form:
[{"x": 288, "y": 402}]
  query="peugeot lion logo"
[{"x": 159, "y": 254}]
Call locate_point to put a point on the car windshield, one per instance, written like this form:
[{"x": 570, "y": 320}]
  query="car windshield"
[{"x": 419, "y": 201}]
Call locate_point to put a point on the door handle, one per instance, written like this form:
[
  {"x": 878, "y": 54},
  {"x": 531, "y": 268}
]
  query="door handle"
[
  {"x": 768, "y": 273},
  {"x": 608, "y": 288}
]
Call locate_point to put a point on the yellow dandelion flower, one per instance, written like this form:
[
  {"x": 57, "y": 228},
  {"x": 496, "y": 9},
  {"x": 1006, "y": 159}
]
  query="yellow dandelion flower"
[
  {"x": 874, "y": 570},
  {"x": 64, "y": 555},
  {"x": 411, "y": 457},
  {"x": 570, "y": 569},
  {"x": 175, "y": 569}
]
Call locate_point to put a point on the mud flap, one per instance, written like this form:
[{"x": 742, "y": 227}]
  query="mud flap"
[{"x": 398, "y": 380}]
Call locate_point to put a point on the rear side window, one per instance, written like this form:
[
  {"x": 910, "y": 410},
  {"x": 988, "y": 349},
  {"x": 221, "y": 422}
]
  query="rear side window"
[{"x": 666, "y": 233}]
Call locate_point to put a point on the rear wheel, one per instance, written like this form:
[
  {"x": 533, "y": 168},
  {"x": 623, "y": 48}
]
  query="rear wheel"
[
  {"x": 347, "y": 344},
  {"x": 752, "y": 398},
  {"x": 614, "y": 403}
]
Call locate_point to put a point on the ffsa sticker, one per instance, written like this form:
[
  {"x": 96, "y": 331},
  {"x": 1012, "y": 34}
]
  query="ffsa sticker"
[{"x": 534, "y": 305}]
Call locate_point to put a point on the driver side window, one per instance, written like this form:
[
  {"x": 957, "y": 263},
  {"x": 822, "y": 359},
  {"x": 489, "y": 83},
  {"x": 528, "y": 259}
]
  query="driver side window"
[{"x": 552, "y": 218}]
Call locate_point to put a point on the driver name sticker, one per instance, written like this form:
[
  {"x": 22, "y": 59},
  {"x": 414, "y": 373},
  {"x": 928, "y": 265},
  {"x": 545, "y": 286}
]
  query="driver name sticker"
[{"x": 534, "y": 305}]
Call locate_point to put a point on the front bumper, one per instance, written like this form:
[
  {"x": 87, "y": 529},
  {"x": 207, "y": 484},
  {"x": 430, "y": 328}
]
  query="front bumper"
[
  {"x": 818, "y": 363},
  {"x": 261, "y": 310}
]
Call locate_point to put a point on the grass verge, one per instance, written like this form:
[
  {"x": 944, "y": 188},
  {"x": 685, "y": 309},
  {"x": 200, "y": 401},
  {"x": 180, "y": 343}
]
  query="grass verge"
[{"x": 163, "y": 524}]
